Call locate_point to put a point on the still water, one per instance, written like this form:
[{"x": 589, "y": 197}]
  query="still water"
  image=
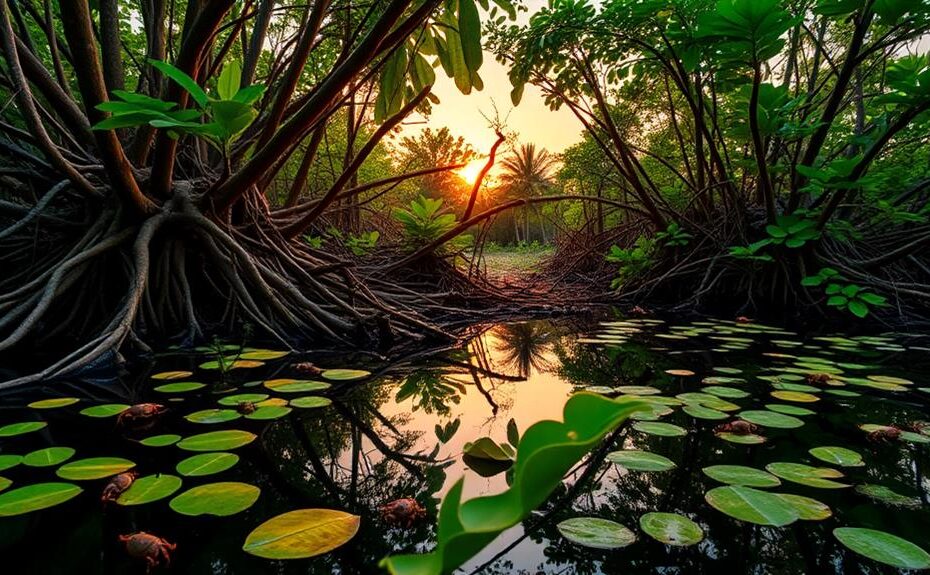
[{"x": 357, "y": 442}]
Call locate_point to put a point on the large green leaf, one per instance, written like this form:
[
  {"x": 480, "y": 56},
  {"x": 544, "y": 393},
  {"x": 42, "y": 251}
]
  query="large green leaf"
[
  {"x": 9, "y": 460},
  {"x": 771, "y": 419},
  {"x": 807, "y": 509},
  {"x": 93, "y": 468},
  {"x": 217, "y": 440},
  {"x": 547, "y": 450},
  {"x": 837, "y": 456},
  {"x": 105, "y": 410},
  {"x": 219, "y": 499},
  {"x": 671, "y": 528},
  {"x": 820, "y": 477},
  {"x": 183, "y": 80},
  {"x": 213, "y": 416},
  {"x": 752, "y": 505},
  {"x": 659, "y": 428},
  {"x": 883, "y": 547},
  {"x": 54, "y": 403},
  {"x": 741, "y": 475},
  {"x": 150, "y": 488},
  {"x": 228, "y": 83},
  {"x": 36, "y": 497},
  {"x": 14, "y": 429},
  {"x": 48, "y": 456},
  {"x": 470, "y": 34},
  {"x": 301, "y": 533},
  {"x": 637, "y": 460},
  {"x": 596, "y": 532},
  {"x": 207, "y": 464}
]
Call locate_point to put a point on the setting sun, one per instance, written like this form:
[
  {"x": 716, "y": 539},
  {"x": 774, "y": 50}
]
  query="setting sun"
[{"x": 471, "y": 171}]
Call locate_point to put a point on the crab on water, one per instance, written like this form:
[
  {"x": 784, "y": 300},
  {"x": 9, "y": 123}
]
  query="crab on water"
[
  {"x": 141, "y": 414},
  {"x": 117, "y": 485},
  {"x": 154, "y": 550},
  {"x": 402, "y": 512}
]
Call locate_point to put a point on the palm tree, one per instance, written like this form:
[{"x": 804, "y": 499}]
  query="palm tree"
[{"x": 526, "y": 173}]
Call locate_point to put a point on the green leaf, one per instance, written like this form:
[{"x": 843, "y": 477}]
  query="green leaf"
[
  {"x": 9, "y": 460},
  {"x": 54, "y": 403},
  {"x": 48, "y": 456},
  {"x": 150, "y": 488},
  {"x": 105, "y": 410},
  {"x": 295, "y": 385},
  {"x": 227, "y": 85},
  {"x": 35, "y": 497},
  {"x": 659, "y": 428},
  {"x": 513, "y": 433},
  {"x": 752, "y": 505},
  {"x": 14, "y": 429},
  {"x": 213, "y": 416},
  {"x": 636, "y": 460},
  {"x": 771, "y": 419},
  {"x": 858, "y": 308},
  {"x": 161, "y": 440},
  {"x": 302, "y": 533},
  {"x": 232, "y": 118},
  {"x": 180, "y": 387},
  {"x": 263, "y": 354},
  {"x": 819, "y": 477},
  {"x": 596, "y": 533},
  {"x": 888, "y": 496},
  {"x": 470, "y": 34},
  {"x": 207, "y": 464},
  {"x": 217, "y": 499},
  {"x": 671, "y": 529},
  {"x": 741, "y": 475},
  {"x": 234, "y": 400},
  {"x": 310, "y": 402},
  {"x": 268, "y": 412},
  {"x": 217, "y": 440},
  {"x": 249, "y": 94},
  {"x": 183, "y": 80},
  {"x": 487, "y": 448},
  {"x": 883, "y": 547},
  {"x": 838, "y": 456},
  {"x": 807, "y": 509},
  {"x": 94, "y": 468},
  {"x": 345, "y": 374}
]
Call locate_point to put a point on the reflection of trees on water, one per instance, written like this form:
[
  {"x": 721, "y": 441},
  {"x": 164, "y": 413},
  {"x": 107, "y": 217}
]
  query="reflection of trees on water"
[{"x": 523, "y": 347}]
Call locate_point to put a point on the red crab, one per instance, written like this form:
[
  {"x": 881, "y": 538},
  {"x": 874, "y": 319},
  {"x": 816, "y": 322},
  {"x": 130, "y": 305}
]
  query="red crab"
[
  {"x": 402, "y": 512},
  {"x": 639, "y": 310},
  {"x": 884, "y": 434},
  {"x": 743, "y": 319},
  {"x": 153, "y": 549},
  {"x": 818, "y": 378},
  {"x": 307, "y": 368},
  {"x": 245, "y": 407},
  {"x": 739, "y": 427},
  {"x": 922, "y": 427},
  {"x": 117, "y": 485},
  {"x": 141, "y": 415}
]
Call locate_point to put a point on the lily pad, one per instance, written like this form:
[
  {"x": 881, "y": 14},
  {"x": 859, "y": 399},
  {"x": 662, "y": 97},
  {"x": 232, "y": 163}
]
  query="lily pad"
[
  {"x": 104, "y": 410},
  {"x": 701, "y": 412},
  {"x": 9, "y": 461},
  {"x": 680, "y": 372},
  {"x": 771, "y": 419},
  {"x": 819, "y": 477},
  {"x": 54, "y": 403},
  {"x": 268, "y": 412},
  {"x": 741, "y": 475},
  {"x": 296, "y": 385},
  {"x": 263, "y": 354},
  {"x": 345, "y": 374},
  {"x": 35, "y": 497},
  {"x": 311, "y": 402},
  {"x": 207, "y": 464},
  {"x": 638, "y": 390},
  {"x": 659, "y": 428},
  {"x": 161, "y": 440},
  {"x": 728, "y": 392},
  {"x": 93, "y": 468},
  {"x": 796, "y": 396},
  {"x": 807, "y": 508},
  {"x": 230, "y": 364},
  {"x": 150, "y": 488},
  {"x": 168, "y": 375},
  {"x": 741, "y": 439},
  {"x": 596, "y": 533},
  {"x": 837, "y": 456},
  {"x": 180, "y": 387},
  {"x": 48, "y": 456},
  {"x": 14, "y": 429},
  {"x": 789, "y": 409},
  {"x": 234, "y": 400},
  {"x": 301, "y": 533},
  {"x": 636, "y": 460},
  {"x": 219, "y": 499},
  {"x": 217, "y": 440},
  {"x": 752, "y": 505},
  {"x": 883, "y": 547},
  {"x": 671, "y": 528},
  {"x": 213, "y": 416},
  {"x": 888, "y": 496}
]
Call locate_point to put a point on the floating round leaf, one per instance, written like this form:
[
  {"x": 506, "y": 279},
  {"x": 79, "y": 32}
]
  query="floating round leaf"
[
  {"x": 161, "y": 440},
  {"x": 837, "y": 456},
  {"x": 596, "y": 532},
  {"x": 796, "y": 396},
  {"x": 105, "y": 410},
  {"x": 659, "y": 428},
  {"x": 234, "y": 400},
  {"x": 807, "y": 509},
  {"x": 728, "y": 370},
  {"x": 48, "y": 456},
  {"x": 213, "y": 416},
  {"x": 207, "y": 464},
  {"x": 217, "y": 440},
  {"x": 229, "y": 364},
  {"x": 180, "y": 387},
  {"x": 93, "y": 468},
  {"x": 302, "y": 533},
  {"x": 843, "y": 393},
  {"x": 310, "y": 402},
  {"x": 752, "y": 505},
  {"x": 888, "y": 495},
  {"x": 701, "y": 412},
  {"x": 890, "y": 379},
  {"x": 295, "y": 385},
  {"x": 883, "y": 547},
  {"x": 54, "y": 403},
  {"x": 679, "y": 372},
  {"x": 14, "y": 429},
  {"x": 820, "y": 477},
  {"x": 345, "y": 374},
  {"x": 636, "y": 460},
  {"x": 10, "y": 460},
  {"x": 267, "y": 412},
  {"x": 671, "y": 528},
  {"x": 35, "y": 497},
  {"x": 219, "y": 499},
  {"x": 741, "y": 439},
  {"x": 788, "y": 409},
  {"x": 741, "y": 475},
  {"x": 771, "y": 419},
  {"x": 638, "y": 390},
  {"x": 150, "y": 488},
  {"x": 263, "y": 354},
  {"x": 728, "y": 392},
  {"x": 167, "y": 375}
]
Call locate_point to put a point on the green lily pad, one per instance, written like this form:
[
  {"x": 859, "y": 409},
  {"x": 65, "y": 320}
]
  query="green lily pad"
[
  {"x": 263, "y": 354},
  {"x": 883, "y": 547},
  {"x": 161, "y": 440},
  {"x": 789, "y": 409},
  {"x": 796, "y": 388},
  {"x": 596, "y": 533},
  {"x": 296, "y": 385},
  {"x": 207, "y": 464},
  {"x": 219, "y": 499},
  {"x": 180, "y": 387},
  {"x": 808, "y": 509},
  {"x": 48, "y": 456},
  {"x": 796, "y": 396},
  {"x": 345, "y": 374},
  {"x": 888, "y": 496},
  {"x": 701, "y": 412},
  {"x": 311, "y": 402},
  {"x": 636, "y": 460},
  {"x": 14, "y": 429},
  {"x": 9, "y": 461},
  {"x": 741, "y": 439},
  {"x": 722, "y": 380},
  {"x": 302, "y": 533},
  {"x": 93, "y": 468},
  {"x": 741, "y": 475},
  {"x": 671, "y": 528},
  {"x": 150, "y": 488},
  {"x": 217, "y": 440},
  {"x": 659, "y": 428},
  {"x": 820, "y": 477},
  {"x": 728, "y": 370},
  {"x": 105, "y": 410},
  {"x": 728, "y": 392},
  {"x": 168, "y": 375},
  {"x": 54, "y": 403},
  {"x": 268, "y": 412},
  {"x": 234, "y": 400},
  {"x": 771, "y": 419},
  {"x": 752, "y": 505},
  {"x": 638, "y": 390},
  {"x": 230, "y": 364},
  {"x": 35, "y": 497},
  {"x": 843, "y": 393},
  {"x": 213, "y": 416},
  {"x": 837, "y": 456}
]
